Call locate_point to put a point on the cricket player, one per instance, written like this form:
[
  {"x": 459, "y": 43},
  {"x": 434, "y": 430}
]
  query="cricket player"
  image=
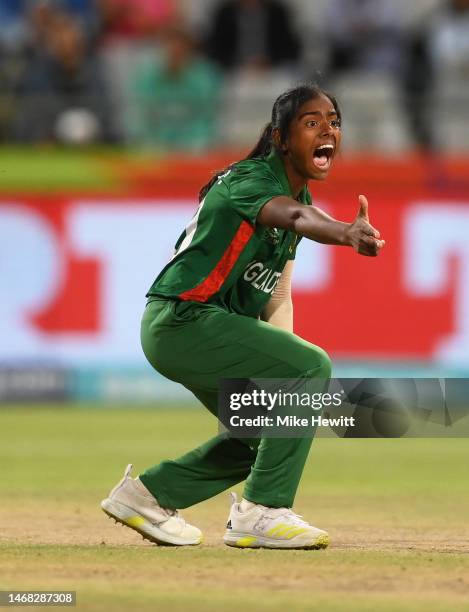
[{"x": 222, "y": 308}]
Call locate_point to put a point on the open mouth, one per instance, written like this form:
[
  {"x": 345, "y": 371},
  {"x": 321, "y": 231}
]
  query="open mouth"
[{"x": 322, "y": 156}]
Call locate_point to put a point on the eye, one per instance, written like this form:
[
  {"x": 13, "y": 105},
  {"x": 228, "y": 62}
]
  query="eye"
[
  {"x": 312, "y": 123},
  {"x": 336, "y": 123}
]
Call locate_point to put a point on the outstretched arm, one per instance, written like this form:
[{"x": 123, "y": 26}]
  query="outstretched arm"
[{"x": 313, "y": 223}]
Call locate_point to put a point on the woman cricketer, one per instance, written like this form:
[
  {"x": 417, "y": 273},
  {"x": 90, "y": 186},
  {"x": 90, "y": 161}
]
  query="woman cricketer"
[{"x": 221, "y": 308}]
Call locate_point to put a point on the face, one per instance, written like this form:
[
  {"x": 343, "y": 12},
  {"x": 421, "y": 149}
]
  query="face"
[
  {"x": 178, "y": 48},
  {"x": 313, "y": 140}
]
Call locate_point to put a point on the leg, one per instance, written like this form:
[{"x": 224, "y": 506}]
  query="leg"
[
  {"x": 216, "y": 465},
  {"x": 226, "y": 345},
  {"x": 200, "y": 474}
]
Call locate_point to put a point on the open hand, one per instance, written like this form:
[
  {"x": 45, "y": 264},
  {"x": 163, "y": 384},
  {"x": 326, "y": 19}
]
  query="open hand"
[{"x": 361, "y": 235}]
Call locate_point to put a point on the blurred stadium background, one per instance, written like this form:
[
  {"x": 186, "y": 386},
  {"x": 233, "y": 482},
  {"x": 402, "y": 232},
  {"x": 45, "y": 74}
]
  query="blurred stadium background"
[{"x": 114, "y": 112}]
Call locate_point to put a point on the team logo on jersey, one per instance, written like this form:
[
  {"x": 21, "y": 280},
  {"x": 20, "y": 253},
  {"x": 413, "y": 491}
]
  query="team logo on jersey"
[
  {"x": 261, "y": 277},
  {"x": 272, "y": 235}
]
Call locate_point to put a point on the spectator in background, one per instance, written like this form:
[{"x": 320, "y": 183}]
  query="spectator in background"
[
  {"x": 449, "y": 38},
  {"x": 12, "y": 26},
  {"x": 128, "y": 31},
  {"x": 368, "y": 54},
  {"x": 13, "y": 40},
  {"x": 61, "y": 95},
  {"x": 448, "y": 50},
  {"x": 133, "y": 19},
  {"x": 84, "y": 10},
  {"x": 253, "y": 34},
  {"x": 365, "y": 34},
  {"x": 418, "y": 79},
  {"x": 176, "y": 96},
  {"x": 437, "y": 94}
]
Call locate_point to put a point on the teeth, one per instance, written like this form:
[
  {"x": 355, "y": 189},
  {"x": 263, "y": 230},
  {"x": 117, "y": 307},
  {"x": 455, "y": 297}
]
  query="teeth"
[{"x": 325, "y": 146}]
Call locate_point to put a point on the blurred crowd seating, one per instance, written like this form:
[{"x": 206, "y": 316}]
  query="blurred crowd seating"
[{"x": 193, "y": 75}]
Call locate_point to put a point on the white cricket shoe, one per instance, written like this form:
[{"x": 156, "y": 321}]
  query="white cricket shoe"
[
  {"x": 252, "y": 525},
  {"x": 132, "y": 504}
]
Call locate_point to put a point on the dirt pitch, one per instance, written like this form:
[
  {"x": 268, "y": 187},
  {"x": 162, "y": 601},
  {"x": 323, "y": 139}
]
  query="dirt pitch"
[{"x": 397, "y": 512}]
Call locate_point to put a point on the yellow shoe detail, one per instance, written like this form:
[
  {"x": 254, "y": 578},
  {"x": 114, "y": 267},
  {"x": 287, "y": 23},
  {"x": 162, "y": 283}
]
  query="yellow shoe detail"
[
  {"x": 246, "y": 541},
  {"x": 321, "y": 542},
  {"x": 278, "y": 530},
  {"x": 294, "y": 532},
  {"x": 135, "y": 521},
  {"x": 285, "y": 531}
]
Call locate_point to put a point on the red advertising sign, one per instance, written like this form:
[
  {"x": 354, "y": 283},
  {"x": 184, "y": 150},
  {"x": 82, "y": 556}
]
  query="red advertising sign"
[{"x": 75, "y": 273}]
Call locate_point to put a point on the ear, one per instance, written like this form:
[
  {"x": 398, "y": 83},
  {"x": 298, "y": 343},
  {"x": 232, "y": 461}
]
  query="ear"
[{"x": 276, "y": 138}]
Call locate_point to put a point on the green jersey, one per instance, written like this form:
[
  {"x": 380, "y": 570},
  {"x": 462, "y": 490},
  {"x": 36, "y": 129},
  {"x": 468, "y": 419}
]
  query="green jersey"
[{"x": 224, "y": 256}]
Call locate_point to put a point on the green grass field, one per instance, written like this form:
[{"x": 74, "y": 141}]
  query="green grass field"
[
  {"x": 45, "y": 169},
  {"x": 396, "y": 510}
]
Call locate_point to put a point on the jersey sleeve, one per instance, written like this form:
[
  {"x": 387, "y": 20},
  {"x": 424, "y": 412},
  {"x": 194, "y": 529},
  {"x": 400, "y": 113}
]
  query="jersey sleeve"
[
  {"x": 293, "y": 246},
  {"x": 251, "y": 188}
]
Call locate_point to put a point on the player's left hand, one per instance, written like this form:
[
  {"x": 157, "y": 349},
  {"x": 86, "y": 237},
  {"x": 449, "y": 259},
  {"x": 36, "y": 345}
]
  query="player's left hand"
[{"x": 362, "y": 236}]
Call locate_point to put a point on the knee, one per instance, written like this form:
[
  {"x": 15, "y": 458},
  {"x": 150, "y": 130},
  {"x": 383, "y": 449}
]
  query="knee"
[{"x": 319, "y": 363}]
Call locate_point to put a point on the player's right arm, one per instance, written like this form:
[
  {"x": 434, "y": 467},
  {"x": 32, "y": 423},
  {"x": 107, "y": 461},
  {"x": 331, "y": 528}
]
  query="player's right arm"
[{"x": 313, "y": 223}]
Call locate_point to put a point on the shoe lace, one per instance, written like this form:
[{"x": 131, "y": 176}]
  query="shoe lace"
[
  {"x": 292, "y": 517},
  {"x": 279, "y": 514},
  {"x": 174, "y": 514}
]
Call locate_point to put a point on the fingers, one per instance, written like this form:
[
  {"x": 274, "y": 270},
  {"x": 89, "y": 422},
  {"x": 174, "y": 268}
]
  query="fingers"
[
  {"x": 365, "y": 221},
  {"x": 369, "y": 230},
  {"x": 370, "y": 240},
  {"x": 363, "y": 210},
  {"x": 370, "y": 248},
  {"x": 366, "y": 240}
]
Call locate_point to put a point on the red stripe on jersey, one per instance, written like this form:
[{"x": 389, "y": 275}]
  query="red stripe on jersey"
[{"x": 220, "y": 272}]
